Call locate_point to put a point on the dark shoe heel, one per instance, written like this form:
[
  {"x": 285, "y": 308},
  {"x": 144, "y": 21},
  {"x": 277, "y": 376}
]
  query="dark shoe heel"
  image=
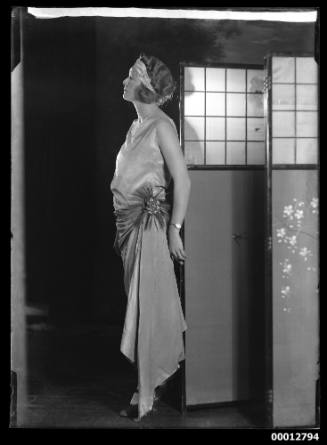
[{"x": 131, "y": 412}]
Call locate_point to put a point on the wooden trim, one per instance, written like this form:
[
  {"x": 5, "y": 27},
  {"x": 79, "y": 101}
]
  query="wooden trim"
[
  {"x": 221, "y": 65},
  {"x": 268, "y": 253},
  {"x": 236, "y": 403},
  {"x": 269, "y": 55},
  {"x": 294, "y": 167},
  {"x": 226, "y": 167}
]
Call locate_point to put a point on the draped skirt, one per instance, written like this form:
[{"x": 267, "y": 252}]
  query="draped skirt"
[{"x": 154, "y": 323}]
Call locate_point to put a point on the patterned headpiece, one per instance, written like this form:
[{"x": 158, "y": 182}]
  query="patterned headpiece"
[{"x": 140, "y": 68}]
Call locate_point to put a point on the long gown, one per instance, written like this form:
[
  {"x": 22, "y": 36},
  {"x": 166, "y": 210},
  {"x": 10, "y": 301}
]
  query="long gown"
[{"x": 154, "y": 323}]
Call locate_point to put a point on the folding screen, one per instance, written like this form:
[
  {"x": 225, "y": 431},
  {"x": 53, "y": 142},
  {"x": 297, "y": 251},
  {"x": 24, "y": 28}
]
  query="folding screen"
[
  {"x": 292, "y": 180},
  {"x": 250, "y": 289}
]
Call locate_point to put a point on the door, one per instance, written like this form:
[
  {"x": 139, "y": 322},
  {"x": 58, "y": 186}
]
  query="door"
[{"x": 292, "y": 226}]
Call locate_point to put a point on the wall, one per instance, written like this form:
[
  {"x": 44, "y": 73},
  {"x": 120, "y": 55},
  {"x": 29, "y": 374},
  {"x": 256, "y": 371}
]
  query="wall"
[
  {"x": 76, "y": 122},
  {"x": 60, "y": 165}
]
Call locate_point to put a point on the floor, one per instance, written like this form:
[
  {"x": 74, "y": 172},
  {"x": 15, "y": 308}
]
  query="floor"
[{"x": 79, "y": 379}]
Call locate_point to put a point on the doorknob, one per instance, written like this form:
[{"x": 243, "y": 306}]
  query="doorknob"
[{"x": 238, "y": 236}]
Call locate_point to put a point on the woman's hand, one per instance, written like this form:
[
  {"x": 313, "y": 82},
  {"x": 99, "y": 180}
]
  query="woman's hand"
[{"x": 176, "y": 248}]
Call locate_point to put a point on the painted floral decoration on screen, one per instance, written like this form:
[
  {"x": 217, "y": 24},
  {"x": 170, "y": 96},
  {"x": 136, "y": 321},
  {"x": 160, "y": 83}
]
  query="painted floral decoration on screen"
[{"x": 294, "y": 236}]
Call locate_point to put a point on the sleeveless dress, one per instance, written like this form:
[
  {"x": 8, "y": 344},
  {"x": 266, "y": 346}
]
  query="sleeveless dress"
[{"x": 154, "y": 323}]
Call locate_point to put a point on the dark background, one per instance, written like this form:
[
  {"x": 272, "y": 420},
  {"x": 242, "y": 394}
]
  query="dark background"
[{"x": 75, "y": 123}]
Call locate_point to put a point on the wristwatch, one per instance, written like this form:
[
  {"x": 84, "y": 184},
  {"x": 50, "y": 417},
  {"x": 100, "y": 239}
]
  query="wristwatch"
[{"x": 178, "y": 226}]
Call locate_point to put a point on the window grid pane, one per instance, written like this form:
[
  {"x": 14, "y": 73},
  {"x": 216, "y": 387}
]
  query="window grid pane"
[
  {"x": 193, "y": 128},
  {"x": 235, "y": 153},
  {"x": 194, "y": 104},
  {"x": 215, "y": 153},
  {"x": 283, "y": 70},
  {"x": 235, "y": 128},
  {"x": 306, "y": 151},
  {"x": 306, "y": 70},
  {"x": 255, "y": 81},
  {"x": 194, "y": 152},
  {"x": 236, "y": 104},
  {"x": 306, "y": 97},
  {"x": 254, "y": 105},
  {"x": 193, "y": 79},
  {"x": 236, "y": 80},
  {"x": 215, "y": 104},
  {"x": 256, "y": 153},
  {"x": 283, "y": 151},
  {"x": 215, "y": 128},
  {"x": 215, "y": 79},
  {"x": 255, "y": 129}
]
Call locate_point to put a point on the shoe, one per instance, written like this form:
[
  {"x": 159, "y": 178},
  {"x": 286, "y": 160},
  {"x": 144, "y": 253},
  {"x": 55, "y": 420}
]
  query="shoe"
[
  {"x": 150, "y": 413},
  {"x": 159, "y": 392},
  {"x": 132, "y": 412}
]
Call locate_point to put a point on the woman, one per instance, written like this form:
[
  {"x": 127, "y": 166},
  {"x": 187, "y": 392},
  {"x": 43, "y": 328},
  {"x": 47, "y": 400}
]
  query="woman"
[{"x": 148, "y": 238}]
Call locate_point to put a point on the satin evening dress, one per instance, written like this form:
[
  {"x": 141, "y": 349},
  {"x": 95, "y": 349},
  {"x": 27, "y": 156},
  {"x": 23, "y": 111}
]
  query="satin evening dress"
[{"x": 154, "y": 323}]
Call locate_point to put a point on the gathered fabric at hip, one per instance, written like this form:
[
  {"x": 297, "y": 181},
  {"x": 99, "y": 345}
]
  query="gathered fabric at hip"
[{"x": 154, "y": 323}]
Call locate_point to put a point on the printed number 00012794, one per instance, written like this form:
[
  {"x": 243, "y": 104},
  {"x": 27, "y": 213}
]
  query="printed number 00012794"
[{"x": 298, "y": 437}]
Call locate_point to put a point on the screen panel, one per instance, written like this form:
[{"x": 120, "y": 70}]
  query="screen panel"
[
  {"x": 224, "y": 273},
  {"x": 293, "y": 203},
  {"x": 295, "y": 296}
]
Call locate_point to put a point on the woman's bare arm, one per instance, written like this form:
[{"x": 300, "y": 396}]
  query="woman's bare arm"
[{"x": 172, "y": 153}]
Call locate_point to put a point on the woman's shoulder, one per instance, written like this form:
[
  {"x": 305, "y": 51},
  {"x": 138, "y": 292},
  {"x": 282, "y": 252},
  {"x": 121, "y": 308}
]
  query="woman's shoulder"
[{"x": 162, "y": 119}]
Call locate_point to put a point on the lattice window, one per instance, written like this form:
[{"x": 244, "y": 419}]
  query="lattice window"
[{"x": 223, "y": 116}]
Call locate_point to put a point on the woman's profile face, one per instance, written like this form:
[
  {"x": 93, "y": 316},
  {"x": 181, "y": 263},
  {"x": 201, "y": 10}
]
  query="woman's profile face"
[{"x": 131, "y": 83}]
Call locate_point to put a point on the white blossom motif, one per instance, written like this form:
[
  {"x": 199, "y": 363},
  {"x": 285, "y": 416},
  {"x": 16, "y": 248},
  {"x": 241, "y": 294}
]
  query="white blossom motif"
[
  {"x": 305, "y": 253},
  {"x": 314, "y": 205},
  {"x": 299, "y": 214},
  {"x": 288, "y": 212},
  {"x": 293, "y": 232},
  {"x": 292, "y": 240},
  {"x": 286, "y": 268},
  {"x": 285, "y": 294},
  {"x": 281, "y": 234},
  {"x": 286, "y": 291}
]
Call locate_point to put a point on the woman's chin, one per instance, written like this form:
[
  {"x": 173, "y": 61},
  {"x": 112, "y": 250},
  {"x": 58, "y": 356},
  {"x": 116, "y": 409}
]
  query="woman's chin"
[{"x": 125, "y": 97}]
